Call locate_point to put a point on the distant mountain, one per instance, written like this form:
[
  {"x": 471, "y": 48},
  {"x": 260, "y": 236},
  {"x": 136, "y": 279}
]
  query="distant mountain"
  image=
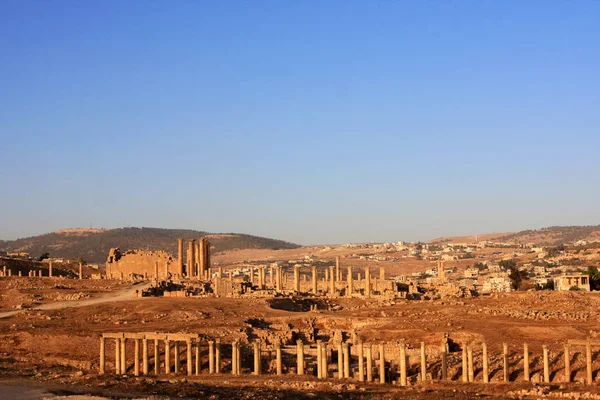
[
  {"x": 550, "y": 236},
  {"x": 93, "y": 244}
]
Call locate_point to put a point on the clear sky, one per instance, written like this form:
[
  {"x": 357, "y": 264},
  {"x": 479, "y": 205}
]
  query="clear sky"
[{"x": 311, "y": 121}]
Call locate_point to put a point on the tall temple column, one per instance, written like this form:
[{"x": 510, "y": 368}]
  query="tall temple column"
[
  {"x": 324, "y": 358},
  {"x": 167, "y": 356},
  {"x": 423, "y": 363},
  {"x": 471, "y": 370},
  {"x": 340, "y": 360},
  {"x": 156, "y": 357},
  {"x": 349, "y": 279},
  {"x": 198, "y": 366},
  {"x": 102, "y": 355},
  {"x": 297, "y": 279},
  {"x": 338, "y": 275},
  {"x": 314, "y": 279},
  {"x": 367, "y": 282},
  {"x": 136, "y": 361},
  {"x": 319, "y": 363},
  {"x": 505, "y": 361},
  {"x": 381, "y": 274},
  {"x": 465, "y": 368},
  {"x": 486, "y": 374},
  {"x": 80, "y": 270},
  {"x": 176, "y": 356},
  {"x": 331, "y": 281},
  {"x": 217, "y": 356},
  {"x": 546, "y": 365},
  {"x": 156, "y": 270},
  {"x": 191, "y": 258},
  {"x": 588, "y": 362},
  {"x": 180, "y": 256},
  {"x": 50, "y": 269},
  {"x": 300, "y": 357},
  {"x": 234, "y": 358}
]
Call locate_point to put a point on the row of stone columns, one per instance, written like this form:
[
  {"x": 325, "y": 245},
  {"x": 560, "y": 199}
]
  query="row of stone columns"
[
  {"x": 6, "y": 272},
  {"x": 197, "y": 260}
]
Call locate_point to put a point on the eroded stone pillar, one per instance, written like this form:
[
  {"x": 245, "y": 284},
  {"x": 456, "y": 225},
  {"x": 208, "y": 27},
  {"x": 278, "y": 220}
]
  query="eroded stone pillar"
[
  {"x": 217, "y": 357},
  {"x": 361, "y": 363},
  {"x": 50, "y": 272},
  {"x": 349, "y": 279},
  {"x": 278, "y": 358},
  {"x": 324, "y": 359},
  {"x": 211, "y": 357},
  {"x": 369, "y": 351},
  {"x": 136, "y": 361},
  {"x": 314, "y": 279},
  {"x": 234, "y": 358},
  {"x": 156, "y": 270},
  {"x": 367, "y": 282},
  {"x": 300, "y": 357},
  {"x": 567, "y": 364},
  {"x": 525, "y": 362},
  {"x": 296, "y": 279},
  {"x": 424, "y": 363},
  {"x": 189, "y": 356},
  {"x": 156, "y": 358},
  {"x": 117, "y": 356},
  {"x": 145, "y": 356},
  {"x": 381, "y": 364},
  {"x": 176, "y": 356},
  {"x": 80, "y": 270},
  {"x": 346, "y": 360},
  {"x": 381, "y": 274},
  {"x": 340, "y": 360},
  {"x": 465, "y": 368},
  {"x": 257, "y": 357},
  {"x": 486, "y": 372},
  {"x": 102, "y": 355},
  {"x": 191, "y": 257},
  {"x": 168, "y": 355},
  {"x": 319, "y": 362},
  {"x": 331, "y": 281},
  {"x": 403, "y": 380},
  {"x": 546, "y": 365},
  {"x": 444, "y": 363},
  {"x": 123, "y": 357},
  {"x": 505, "y": 361},
  {"x": 588, "y": 362},
  {"x": 471, "y": 370},
  {"x": 338, "y": 275}
]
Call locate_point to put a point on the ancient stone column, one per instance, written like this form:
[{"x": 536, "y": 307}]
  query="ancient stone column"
[
  {"x": 257, "y": 357},
  {"x": 326, "y": 278},
  {"x": 156, "y": 358},
  {"x": 486, "y": 374},
  {"x": 381, "y": 364},
  {"x": 102, "y": 355},
  {"x": 117, "y": 356},
  {"x": 340, "y": 360},
  {"x": 331, "y": 281},
  {"x": 525, "y": 362},
  {"x": 346, "y": 360},
  {"x": 445, "y": 363},
  {"x": 50, "y": 269},
  {"x": 190, "y": 258},
  {"x": 361, "y": 363},
  {"x": 324, "y": 359},
  {"x": 234, "y": 358},
  {"x": 145, "y": 356},
  {"x": 217, "y": 357},
  {"x": 369, "y": 352},
  {"x": 156, "y": 270},
  {"x": 189, "y": 356},
  {"x": 588, "y": 360},
  {"x": 123, "y": 357},
  {"x": 300, "y": 357},
  {"x": 465, "y": 374},
  {"x": 423, "y": 363},
  {"x": 296, "y": 279},
  {"x": 314, "y": 279},
  {"x": 471, "y": 370},
  {"x": 567, "y": 364},
  {"x": 238, "y": 353},
  {"x": 202, "y": 256},
  {"x": 338, "y": 276},
  {"x": 546, "y": 365},
  {"x": 349, "y": 279},
  {"x": 211, "y": 357},
  {"x": 367, "y": 283},
  {"x": 136, "y": 361},
  {"x": 168, "y": 356},
  {"x": 319, "y": 363},
  {"x": 80, "y": 270},
  {"x": 278, "y": 357},
  {"x": 176, "y": 355},
  {"x": 198, "y": 366},
  {"x": 403, "y": 380},
  {"x": 180, "y": 256},
  {"x": 505, "y": 361}
]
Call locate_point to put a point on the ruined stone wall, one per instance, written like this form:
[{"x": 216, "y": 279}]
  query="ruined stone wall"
[{"x": 142, "y": 263}]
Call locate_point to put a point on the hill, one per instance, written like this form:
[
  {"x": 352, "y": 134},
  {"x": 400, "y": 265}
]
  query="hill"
[
  {"x": 93, "y": 245},
  {"x": 549, "y": 236}
]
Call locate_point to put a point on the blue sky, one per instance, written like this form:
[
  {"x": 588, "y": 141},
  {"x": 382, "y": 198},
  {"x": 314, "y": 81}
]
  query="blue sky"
[{"x": 310, "y": 121}]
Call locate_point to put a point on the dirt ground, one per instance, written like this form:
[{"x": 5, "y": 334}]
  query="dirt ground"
[{"x": 58, "y": 349}]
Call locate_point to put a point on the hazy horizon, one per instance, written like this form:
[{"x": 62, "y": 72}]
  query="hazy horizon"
[{"x": 310, "y": 122}]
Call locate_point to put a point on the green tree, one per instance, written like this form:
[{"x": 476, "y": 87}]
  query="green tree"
[
  {"x": 516, "y": 277},
  {"x": 44, "y": 256},
  {"x": 594, "y": 274}
]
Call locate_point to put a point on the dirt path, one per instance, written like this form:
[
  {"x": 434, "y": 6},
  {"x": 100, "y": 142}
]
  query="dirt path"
[{"x": 123, "y": 294}]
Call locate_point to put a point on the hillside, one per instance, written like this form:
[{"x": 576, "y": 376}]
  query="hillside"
[
  {"x": 552, "y": 235},
  {"x": 93, "y": 245}
]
